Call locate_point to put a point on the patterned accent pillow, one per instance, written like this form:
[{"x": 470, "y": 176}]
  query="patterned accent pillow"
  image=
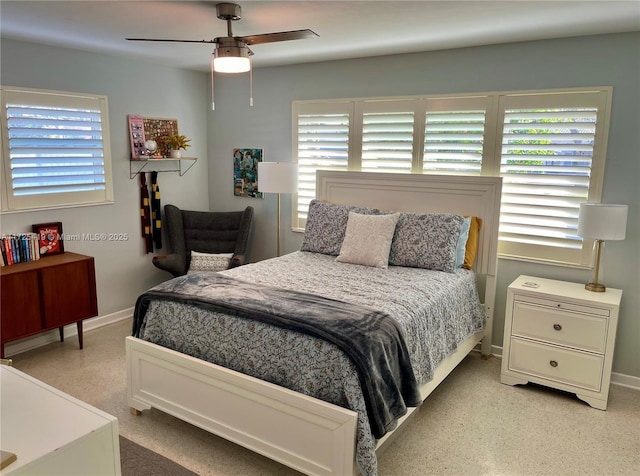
[
  {"x": 326, "y": 226},
  {"x": 367, "y": 240},
  {"x": 426, "y": 240},
  {"x": 209, "y": 261}
]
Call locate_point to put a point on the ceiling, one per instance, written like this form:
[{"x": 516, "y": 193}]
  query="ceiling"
[{"x": 347, "y": 29}]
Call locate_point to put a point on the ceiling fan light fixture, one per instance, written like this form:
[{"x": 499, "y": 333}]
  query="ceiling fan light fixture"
[
  {"x": 231, "y": 64},
  {"x": 231, "y": 59}
]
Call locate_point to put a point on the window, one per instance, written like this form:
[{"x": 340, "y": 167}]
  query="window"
[
  {"x": 549, "y": 147},
  {"x": 454, "y": 135},
  {"x": 387, "y": 136},
  {"x": 56, "y": 149},
  {"x": 322, "y": 143},
  {"x": 552, "y": 159}
]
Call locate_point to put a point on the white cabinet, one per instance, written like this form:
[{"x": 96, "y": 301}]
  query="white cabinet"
[
  {"x": 53, "y": 433},
  {"x": 560, "y": 335}
]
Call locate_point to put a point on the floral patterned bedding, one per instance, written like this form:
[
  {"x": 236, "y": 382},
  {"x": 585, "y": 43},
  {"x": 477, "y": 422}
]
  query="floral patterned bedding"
[{"x": 435, "y": 310}]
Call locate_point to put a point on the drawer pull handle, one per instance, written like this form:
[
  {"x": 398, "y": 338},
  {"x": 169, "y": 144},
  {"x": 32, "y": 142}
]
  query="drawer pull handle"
[
  {"x": 557, "y": 327},
  {"x": 553, "y": 363}
]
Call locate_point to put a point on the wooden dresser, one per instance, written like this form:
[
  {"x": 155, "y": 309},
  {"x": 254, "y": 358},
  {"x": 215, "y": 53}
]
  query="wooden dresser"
[{"x": 46, "y": 294}]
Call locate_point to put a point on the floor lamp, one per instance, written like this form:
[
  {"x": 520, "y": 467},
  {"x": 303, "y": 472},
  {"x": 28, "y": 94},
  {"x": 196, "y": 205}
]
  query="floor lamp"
[
  {"x": 601, "y": 222},
  {"x": 277, "y": 177}
]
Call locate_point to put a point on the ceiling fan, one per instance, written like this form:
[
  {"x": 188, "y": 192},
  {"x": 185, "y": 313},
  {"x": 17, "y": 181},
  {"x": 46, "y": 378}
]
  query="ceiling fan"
[{"x": 232, "y": 52}]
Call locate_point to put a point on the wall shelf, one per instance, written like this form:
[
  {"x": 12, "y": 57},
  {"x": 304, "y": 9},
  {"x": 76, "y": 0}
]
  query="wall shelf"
[{"x": 183, "y": 165}]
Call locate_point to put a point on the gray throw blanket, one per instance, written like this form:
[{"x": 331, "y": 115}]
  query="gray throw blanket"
[{"x": 370, "y": 338}]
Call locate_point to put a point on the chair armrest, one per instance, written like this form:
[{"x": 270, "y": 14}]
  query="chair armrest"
[{"x": 173, "y": 263}]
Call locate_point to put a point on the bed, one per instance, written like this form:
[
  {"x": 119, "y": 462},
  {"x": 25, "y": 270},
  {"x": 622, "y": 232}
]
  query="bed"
[{"x": 330, "y": 434}]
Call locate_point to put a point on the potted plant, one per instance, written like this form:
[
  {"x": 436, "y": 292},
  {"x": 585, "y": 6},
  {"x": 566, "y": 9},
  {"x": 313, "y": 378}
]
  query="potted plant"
[{"x": 177, "y": 142}]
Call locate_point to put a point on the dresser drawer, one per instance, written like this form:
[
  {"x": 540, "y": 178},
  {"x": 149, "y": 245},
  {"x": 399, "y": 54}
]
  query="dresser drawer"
[
  {"x": 582, "y": 331},
  {"x": 556, "y": 363}
]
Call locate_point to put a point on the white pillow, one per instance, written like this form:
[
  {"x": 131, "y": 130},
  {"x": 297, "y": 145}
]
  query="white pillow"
[
  {"x": 367, "y": 240},
  {"x": 209, "y": 261}
]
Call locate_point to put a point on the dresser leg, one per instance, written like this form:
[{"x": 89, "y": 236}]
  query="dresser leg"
[
  {"x": 61, "y": 329},
  {"x": 79, "y": 324},
  {"x": 509, "y": 380},
  {"x": 593, "y": 402}
]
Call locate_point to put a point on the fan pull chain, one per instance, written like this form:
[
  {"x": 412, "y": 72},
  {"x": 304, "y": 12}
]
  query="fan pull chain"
[
  {"x": 213, "y": 103},
  {"x": 250, "y": 84}
]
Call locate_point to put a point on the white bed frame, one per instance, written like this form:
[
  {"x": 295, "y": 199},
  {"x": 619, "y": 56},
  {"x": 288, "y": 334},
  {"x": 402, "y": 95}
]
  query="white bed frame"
[{"x": 302, "y": 432}]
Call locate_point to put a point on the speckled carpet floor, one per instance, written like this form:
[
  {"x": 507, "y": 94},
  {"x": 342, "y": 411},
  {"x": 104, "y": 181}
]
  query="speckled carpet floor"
[{"x": 470, "y": 425}]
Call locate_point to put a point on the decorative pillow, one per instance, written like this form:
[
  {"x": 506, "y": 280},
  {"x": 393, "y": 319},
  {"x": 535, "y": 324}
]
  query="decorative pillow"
[
  {"x": 426, "y": 240},
  {"x": 472, "y": 243},
  {"x": 209, "y": 262},
  {"x": 367, "y": 239},
  {"x": 326, "y": 226},
  {"x": 462, "y": 242}
]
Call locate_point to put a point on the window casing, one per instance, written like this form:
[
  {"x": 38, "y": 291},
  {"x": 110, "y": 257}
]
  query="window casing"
[
  {"x": 549, "y": 147},
  {"x": 55, "y": 149}
]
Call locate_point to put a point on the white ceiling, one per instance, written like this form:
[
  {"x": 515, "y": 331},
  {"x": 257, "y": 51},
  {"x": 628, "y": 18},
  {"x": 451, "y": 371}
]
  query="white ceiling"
[{"x": 347, "y": 29}]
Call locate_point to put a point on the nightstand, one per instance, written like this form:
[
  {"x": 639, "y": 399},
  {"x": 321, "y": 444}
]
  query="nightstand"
[{"x": 560, "y": 335}]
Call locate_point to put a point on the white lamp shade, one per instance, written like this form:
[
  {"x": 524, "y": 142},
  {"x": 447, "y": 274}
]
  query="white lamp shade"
[
  {"x": 602, "y": 221},
  {"x": 277, "y": 177}
]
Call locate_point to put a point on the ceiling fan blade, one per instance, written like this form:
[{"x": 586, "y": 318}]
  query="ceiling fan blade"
[
  {"x": 281, "y": 36},
  {"x": 174, "y": 41}
]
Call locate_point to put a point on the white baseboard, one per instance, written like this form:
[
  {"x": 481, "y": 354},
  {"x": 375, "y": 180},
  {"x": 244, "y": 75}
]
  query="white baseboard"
[
  {"x": 623, "y": 380},
  {"x": 30, "y": 343}
]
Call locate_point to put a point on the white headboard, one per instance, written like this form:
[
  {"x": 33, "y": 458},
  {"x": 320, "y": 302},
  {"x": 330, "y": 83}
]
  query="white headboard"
[{"x": 464, "y": 195}]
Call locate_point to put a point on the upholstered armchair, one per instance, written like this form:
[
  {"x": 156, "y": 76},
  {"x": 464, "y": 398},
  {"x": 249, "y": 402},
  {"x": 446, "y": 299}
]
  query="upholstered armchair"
[{"x": 203, "y": 232}]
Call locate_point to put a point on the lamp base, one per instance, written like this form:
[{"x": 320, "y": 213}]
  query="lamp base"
[{"x": 595, "y": 287}]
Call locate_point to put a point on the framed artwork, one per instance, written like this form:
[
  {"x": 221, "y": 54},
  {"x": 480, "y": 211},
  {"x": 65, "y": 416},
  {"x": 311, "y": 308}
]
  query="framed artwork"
[
  {"x": 49, "y": 238},
  {"x": 245, "y": 172},
  {"x": 143, "y": 129},
  {"x": 137, "y": 138},
  {"x": 158, "y": 130}
]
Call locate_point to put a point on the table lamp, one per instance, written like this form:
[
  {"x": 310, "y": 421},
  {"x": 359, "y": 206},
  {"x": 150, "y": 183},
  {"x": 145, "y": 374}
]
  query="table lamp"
[
  {"x": 601, "y": 222},
  {"x": 277, "y": 177}
]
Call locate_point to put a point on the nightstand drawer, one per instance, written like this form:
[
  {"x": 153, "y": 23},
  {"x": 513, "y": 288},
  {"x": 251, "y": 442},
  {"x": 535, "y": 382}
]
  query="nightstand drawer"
[
  {"x": 557, "y": 364},
  {"x": 565, "y": 306},
  {"x": 582, "y": 331}
]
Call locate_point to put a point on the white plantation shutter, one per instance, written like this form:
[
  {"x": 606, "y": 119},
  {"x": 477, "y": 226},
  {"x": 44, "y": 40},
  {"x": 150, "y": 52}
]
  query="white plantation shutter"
[
  {"x": 387, "y": 136},
  {"x": 55, "y": 149},
  {"x": 454, "y": 135},
  {"x": 550, "y": 146},
  {"x": 322, "y": 143}
]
